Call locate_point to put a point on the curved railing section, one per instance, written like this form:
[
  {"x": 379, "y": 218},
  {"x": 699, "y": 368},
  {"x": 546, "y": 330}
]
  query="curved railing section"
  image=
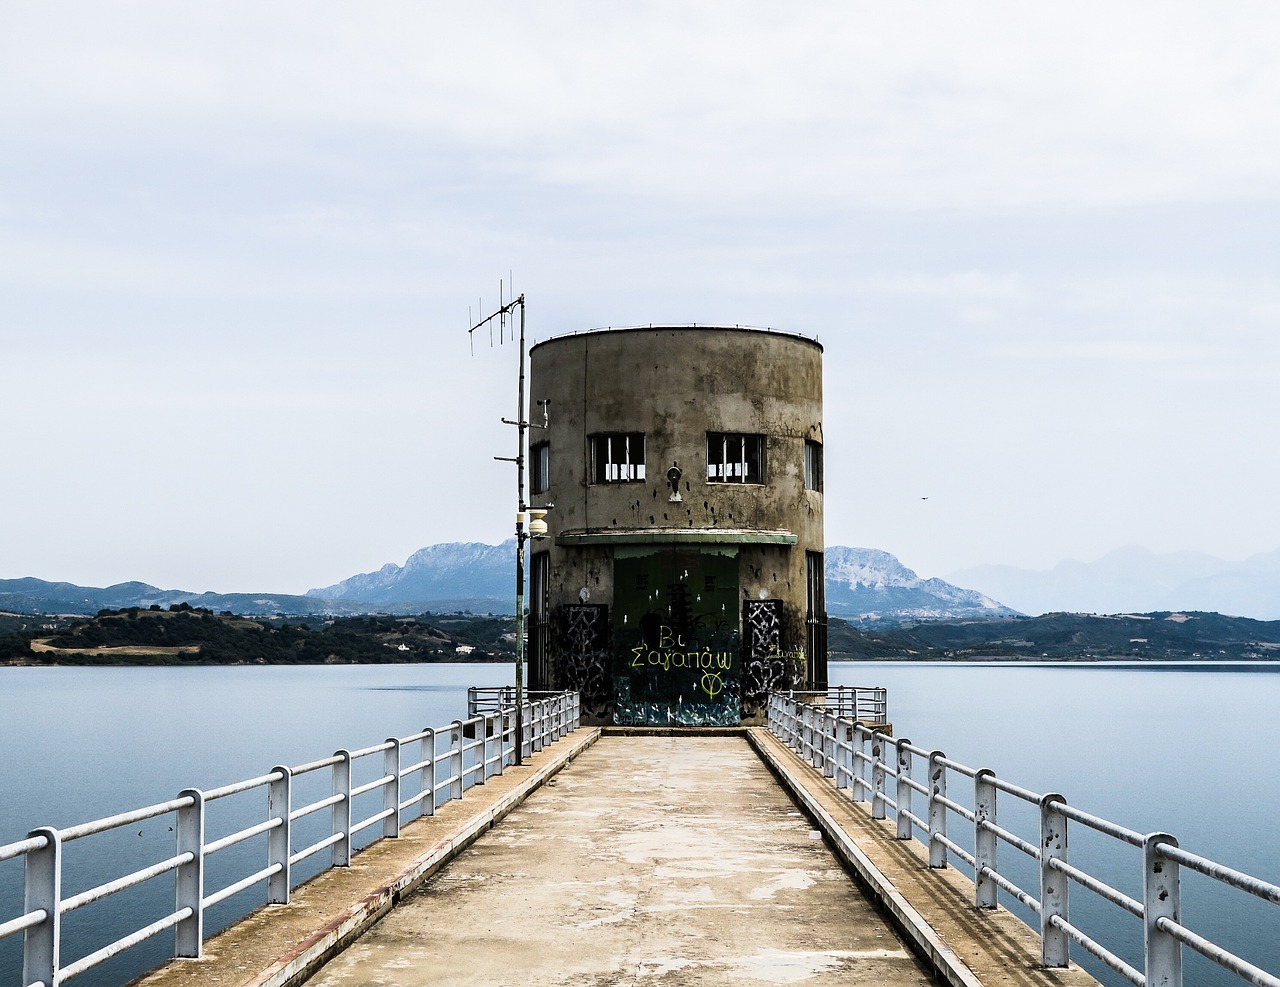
[
  {"x": 415, "y": 775},
  {"x": 872, "y": 766}
]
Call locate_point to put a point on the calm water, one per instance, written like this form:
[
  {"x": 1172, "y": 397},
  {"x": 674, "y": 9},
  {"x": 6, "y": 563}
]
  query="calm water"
[
  {"x": 1172, "y": 748},
  {"x": 83, "y": 743}
]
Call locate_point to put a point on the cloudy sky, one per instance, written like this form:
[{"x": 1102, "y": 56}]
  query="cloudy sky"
[{"x": 238, "y": 243}]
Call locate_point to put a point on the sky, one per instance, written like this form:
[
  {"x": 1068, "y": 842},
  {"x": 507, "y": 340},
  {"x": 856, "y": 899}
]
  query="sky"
[{"x": 240, "y": 244}]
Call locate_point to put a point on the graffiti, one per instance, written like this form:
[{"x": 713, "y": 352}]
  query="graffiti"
[
  {"x": 582, "y": 654},
  {"x": 676, "y": 639},
  {"x": 766, "y": 665}
]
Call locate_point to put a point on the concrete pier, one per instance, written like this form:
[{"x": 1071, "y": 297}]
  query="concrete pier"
[
  {"x": 650, "y": 860},
  {"x": 620, "y": 859}
]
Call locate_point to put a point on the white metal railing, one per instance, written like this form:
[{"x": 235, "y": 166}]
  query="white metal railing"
[
  {"x": 868, "y": 704},
  {"x": 550, "y": 723},
  {"x": 873, "y": 766},
  {"x": 476, "y": 749}
]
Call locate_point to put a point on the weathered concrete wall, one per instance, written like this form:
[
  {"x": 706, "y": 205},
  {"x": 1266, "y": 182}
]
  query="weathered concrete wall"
[{"x": 675, "y": 385}]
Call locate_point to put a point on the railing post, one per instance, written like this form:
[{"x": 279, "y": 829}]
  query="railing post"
[
  {"x": 455, "y": 760},
  {"x": 1162, "y": 895},
  {"x": 472, "y": 701},
  {"x": 859, "y": 757},
  {"x": 391, "y": 790},
  {"x": 841, "y": 752},
  {"x": 527, "y": 727},
  {"x": 937, "y": 810},
  {"x": 429, "y": 771},
  {"x": 828, "y": 744},
  {"x": 1054, "y": 885},
  {"x": 877, "y": 775},
  {"x": 341, "y": 810},
  {"x": 280, "y": 839},
  {"x": 41, "y": 952},
  {"x": 189, "y": 933},
  {"x": 494, "y": 724},
  {"x": 985, "y": 841},
  {"x": 902, "y": 790}
]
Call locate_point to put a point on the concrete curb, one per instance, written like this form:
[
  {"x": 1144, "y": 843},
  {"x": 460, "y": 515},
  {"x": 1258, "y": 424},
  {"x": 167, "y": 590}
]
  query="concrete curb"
[
  {"x": 922, "y": 936},
  {"x": 298, "y": 964}
]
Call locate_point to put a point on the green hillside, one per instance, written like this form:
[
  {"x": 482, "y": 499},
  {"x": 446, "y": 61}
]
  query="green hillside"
[
  {"x": 1162, "y": 636},
  {"x": 184, "y": 634}
]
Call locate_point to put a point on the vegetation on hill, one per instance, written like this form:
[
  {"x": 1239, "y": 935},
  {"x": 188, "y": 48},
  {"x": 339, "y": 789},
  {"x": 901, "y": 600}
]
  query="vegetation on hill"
[
  {"x": 1162, "y": 636},
  {"x": 184, "y": 634}
]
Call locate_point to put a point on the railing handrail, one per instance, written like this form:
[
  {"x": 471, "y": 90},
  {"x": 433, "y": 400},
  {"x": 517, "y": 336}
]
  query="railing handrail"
[
  {"x": 479, "y": 747},
  {"x": 837, "y": 746}
]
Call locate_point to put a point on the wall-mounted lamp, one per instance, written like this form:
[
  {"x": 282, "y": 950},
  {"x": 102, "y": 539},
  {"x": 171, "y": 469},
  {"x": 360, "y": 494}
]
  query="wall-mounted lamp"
[{"x": 537, "y": 523}]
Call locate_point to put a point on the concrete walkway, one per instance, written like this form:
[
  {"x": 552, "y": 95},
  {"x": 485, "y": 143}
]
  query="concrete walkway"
[{"x": 648, "y": 860}]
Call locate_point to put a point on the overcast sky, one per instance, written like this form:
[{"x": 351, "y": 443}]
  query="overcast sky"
[{"x": 238, "y": 242}]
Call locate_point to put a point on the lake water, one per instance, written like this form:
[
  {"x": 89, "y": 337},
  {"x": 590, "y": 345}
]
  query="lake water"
[{"x": 1187, "y": 750}]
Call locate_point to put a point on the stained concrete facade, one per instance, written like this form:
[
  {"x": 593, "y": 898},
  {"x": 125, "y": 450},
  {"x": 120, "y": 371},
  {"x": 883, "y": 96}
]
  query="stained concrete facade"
[{"x": 682, "y": 575}]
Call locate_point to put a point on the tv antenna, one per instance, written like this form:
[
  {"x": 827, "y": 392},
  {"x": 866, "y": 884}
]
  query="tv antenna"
[{"x": 500, "y": 318}]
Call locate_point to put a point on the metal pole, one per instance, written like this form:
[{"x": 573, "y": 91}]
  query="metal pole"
[{"x": 521, "y": 536}]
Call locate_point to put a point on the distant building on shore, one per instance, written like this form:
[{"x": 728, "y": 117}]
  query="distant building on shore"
[{"x": 682, "y": 576}]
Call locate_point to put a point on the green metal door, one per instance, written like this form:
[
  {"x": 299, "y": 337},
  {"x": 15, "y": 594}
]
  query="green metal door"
[{"x": 676, "y": 637}]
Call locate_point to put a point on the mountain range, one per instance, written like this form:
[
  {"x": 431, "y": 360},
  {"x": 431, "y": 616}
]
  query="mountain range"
[
  {"x": 1136, "y": 580},
  {"x": 865, "y": 586}
]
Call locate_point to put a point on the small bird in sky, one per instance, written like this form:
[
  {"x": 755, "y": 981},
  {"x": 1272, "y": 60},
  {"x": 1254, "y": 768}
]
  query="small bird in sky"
[{"x": 924, "y": 498}]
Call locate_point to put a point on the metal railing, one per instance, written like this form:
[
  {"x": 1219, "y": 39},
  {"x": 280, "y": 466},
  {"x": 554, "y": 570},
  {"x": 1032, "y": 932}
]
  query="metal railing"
[
  {"x": 873, "y": 766},
  {"x": 543, "y": 723},
  {"x": 474, "y": 750},
  {"x": 867, "y": 704}
]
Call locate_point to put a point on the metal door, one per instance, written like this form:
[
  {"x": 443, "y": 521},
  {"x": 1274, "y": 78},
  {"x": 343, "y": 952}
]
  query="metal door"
[{"x": 676, "y": 637}]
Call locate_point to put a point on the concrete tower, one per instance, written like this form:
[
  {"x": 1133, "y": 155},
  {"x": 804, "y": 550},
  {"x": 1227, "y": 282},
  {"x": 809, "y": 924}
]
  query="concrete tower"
[{"x": 682, "y": 576}]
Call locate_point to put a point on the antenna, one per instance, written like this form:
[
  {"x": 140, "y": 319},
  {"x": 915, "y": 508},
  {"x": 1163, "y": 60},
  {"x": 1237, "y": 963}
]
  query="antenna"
[{"x": 505, "y": 309}]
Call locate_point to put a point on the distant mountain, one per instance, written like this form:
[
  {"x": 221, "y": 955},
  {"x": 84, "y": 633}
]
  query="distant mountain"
[
  {"x": 1136, "y": 580},
  {"x": 479, "y": 576},
  {"x": 865, "y": 586},
  {"x": 31, "y": 595},
  {"x": 869, "y": 587}
]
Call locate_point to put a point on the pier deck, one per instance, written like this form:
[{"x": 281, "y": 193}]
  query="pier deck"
[
  {"x": 654, "y": 860},
  {"x": 650, "y": 860}
]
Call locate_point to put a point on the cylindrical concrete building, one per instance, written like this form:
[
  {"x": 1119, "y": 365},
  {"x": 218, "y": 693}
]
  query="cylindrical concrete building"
[{"x": 682, "y": 576}]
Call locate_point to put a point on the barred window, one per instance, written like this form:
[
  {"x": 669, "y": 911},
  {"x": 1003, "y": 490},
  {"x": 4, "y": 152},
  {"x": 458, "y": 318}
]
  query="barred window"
[
  {"x": 617, "y": 457},
  {"x": 735, "y": 458}
]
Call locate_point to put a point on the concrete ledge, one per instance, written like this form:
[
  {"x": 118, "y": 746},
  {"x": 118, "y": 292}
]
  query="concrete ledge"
[
  {"x": 931, "y": 908},
  {"x": 673, "y": 731},
  {"x": 283, "y": 945}
]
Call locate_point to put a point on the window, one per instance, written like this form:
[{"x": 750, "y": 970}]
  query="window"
[
  {"x": 617, "y": 457},
  {"x": 540, "y": 467},
  {"x": 735, "y": 458},
  {"x": 812, "y": 465}
]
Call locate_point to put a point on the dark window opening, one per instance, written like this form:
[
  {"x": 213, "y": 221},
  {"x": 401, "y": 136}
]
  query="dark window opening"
[
  {"x": 812, "y": 465},
  {"x": 540, "y": 467},
  {"x": 539, "y": 613},
  {"x": 735, "y": 458},
  {"x": 617, "y": 457}
]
